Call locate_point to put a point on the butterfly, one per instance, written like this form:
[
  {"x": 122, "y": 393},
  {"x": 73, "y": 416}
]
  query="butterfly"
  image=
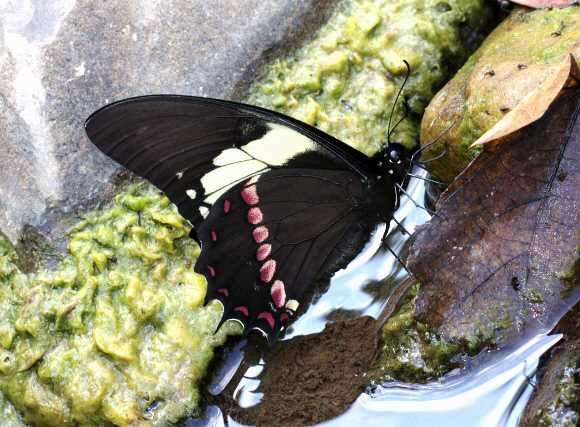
[{"x": 275, "y": 204}]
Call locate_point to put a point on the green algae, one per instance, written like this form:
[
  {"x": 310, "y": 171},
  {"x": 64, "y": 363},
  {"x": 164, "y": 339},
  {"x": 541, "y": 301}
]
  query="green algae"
[
  {"x": 9, "y": 417},
  {"x": 118, "y": 327},
  {"x": 413, "y": 352},
  {"x": 345, "y": 80}
]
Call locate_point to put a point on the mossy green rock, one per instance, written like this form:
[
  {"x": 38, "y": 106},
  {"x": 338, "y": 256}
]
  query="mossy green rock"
[{"x": 513, "y": 60}]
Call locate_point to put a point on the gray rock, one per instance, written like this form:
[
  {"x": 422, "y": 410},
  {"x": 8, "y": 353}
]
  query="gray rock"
[{"x": 63, "y": 59}]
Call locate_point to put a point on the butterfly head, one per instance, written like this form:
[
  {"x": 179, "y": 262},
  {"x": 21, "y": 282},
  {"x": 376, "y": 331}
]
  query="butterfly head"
[{"x": 392, "y": 162}]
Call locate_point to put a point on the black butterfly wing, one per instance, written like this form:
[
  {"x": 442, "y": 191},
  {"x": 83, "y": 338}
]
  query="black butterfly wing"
[
  {"x": 203, "y": 154},
  {"x": 265, "y": 241},
  {"x": 194, "y": 149}
]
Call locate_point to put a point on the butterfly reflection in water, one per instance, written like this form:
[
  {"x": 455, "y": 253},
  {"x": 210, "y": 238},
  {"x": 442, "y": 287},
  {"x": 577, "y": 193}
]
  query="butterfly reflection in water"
[{"x": 276, "y": 204}]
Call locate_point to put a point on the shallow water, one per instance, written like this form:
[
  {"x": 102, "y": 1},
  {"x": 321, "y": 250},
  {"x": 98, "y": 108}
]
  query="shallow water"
[
  {"x": 491, "y": 390},
  {"x": 493, "y": 395}
]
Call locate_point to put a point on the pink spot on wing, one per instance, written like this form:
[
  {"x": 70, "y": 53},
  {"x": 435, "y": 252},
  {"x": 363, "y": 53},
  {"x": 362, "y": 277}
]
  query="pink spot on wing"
[
  {"x": 213, "y": 236},
  {"x": 267, "y": 270},
  {"x": 224, "y": 291},
  {"x": 284, "y": 316},
  {"x": 278, "y": 293},
  {"x": 211, "y": 270},
  {"x": 250, "y": 195},
  {"x": 226, "y": 206},
  {"x": 242, "y": 309},
  {"x": 260, "y": 234},
  {"x": 268, "y": 317},
  {"x": 255, "y": 216},
  {"x": 263, "y": 251}
]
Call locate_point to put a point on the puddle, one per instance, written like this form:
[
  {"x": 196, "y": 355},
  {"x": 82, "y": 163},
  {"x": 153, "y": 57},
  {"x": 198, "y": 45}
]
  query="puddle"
[{"x": 492, "y": 396}]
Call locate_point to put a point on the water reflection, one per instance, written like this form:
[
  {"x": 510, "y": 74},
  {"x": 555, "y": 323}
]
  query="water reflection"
[{"x": 493, "y": 395}]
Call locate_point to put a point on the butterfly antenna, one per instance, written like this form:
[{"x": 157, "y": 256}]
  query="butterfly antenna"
[
  {"x": 434, "y": 141},
  {"x": 402, "y": 118},
  {"x": 389, "y": 130}
]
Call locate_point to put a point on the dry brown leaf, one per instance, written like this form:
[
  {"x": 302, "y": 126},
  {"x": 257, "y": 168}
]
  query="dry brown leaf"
[
  {"x": 540, "y": 4},
  {"x": 532, "y": 106},
  {"x": 500, "y": 260}
]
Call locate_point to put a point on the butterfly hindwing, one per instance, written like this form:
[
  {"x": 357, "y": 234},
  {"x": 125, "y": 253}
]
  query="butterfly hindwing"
[{"x": 266, "y": 240}]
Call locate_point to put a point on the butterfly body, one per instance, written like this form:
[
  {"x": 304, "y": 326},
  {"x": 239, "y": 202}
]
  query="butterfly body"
[{"x": 275, "y": 204}]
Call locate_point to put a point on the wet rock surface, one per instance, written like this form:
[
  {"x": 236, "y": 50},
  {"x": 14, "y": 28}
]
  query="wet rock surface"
[{"x": 556, "y": 398}]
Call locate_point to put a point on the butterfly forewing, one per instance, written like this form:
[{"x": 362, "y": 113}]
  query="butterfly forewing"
[
  {"x": 274, "y": 202},
  {"x": 194, "y": 149}
]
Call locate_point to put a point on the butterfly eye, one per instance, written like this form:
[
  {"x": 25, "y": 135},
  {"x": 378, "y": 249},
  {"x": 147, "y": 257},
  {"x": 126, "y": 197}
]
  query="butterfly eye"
[{"x": 394, "y": 155}]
